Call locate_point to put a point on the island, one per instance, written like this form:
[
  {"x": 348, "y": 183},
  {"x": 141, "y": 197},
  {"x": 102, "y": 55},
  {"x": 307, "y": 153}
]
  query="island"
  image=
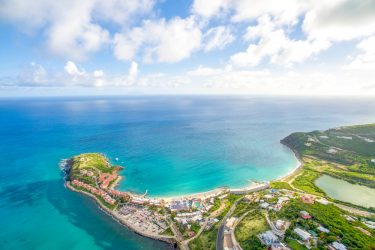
[{"x": 292, "y": 212}]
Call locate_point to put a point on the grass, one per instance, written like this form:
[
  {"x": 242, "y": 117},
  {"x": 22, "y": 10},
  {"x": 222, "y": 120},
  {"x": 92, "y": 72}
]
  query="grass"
[
  {"x": 280, "y": 185},
  {"x": 247, "y": 230},
  {"x": 305, "y": 182},
  {"x": 168, "y": 232},
  {"x": 294, "y": 245},
  {"x": 206, "y": 240}
]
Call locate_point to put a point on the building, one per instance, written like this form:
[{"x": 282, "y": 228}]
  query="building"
[
  {"x": 305, "y": 236},
  {"x": 308, "y": 199},
  {"x": 323, "y": 229},
  {"x": 332, "y": 151},
  {"x": 179, "y": 205},
  {"x": 337, "y": 246},
  {"x": 268, "y": 238},
  {"x": 281, "y": 225},
  {"x": 264, "y": 205},
  {"x": 305, "y": 215},
  {"x": 323, "y": 201}
]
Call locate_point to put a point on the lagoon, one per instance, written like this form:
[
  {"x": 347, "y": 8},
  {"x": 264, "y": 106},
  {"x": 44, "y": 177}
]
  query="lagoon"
[{"x": 346, "y": 191}]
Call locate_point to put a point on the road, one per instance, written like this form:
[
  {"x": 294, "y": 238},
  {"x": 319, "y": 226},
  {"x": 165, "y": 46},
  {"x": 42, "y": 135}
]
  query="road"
[{"x": 220, "y": 232}]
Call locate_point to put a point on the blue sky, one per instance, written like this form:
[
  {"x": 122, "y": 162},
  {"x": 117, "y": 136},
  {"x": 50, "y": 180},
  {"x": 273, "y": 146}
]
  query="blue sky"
[{"x": 121, "y": 47}]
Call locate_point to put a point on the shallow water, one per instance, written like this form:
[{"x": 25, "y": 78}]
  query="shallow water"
[
  {"x": 169, "y": 145},
  {"x": 346, "y": 191}
]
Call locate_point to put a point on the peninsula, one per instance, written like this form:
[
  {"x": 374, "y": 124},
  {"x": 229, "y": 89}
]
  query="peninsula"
[{"x": 288, "y": 213}]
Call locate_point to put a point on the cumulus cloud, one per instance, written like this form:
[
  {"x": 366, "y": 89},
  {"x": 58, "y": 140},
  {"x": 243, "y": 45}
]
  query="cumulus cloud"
[
  {"x": 33, "y": 75},
  {"x": 366, "y": 59},
  {"x": 72, "y": 28},
  {"x": 159, "y": 40},
  {"x": 272, "y": 42},
  {"x": 72, "y": 75},
  {"x": 217, "y": 38}
]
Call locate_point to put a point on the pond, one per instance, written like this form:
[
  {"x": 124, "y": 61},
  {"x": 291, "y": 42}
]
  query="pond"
[{"x": 346, "y": 191}]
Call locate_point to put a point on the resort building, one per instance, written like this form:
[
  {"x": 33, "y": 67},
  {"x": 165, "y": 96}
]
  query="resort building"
[
  {"x": 323, "y": 201},
  {"x": 337, "y": 246},
  {"x": 305, "y": 236},
  {"x": 308, "y": 199},
  {"x": 305, "y": 215},
  {"x": 323, "y": 229},
  {"x": 268, "y": 238}
]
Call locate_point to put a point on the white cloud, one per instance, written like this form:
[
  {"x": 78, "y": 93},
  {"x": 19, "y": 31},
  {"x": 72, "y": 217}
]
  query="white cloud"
[
  {"x": 271, "y": 41},
  {"x": 366, "y": 59},
  {"x": 72, "y": 69},
  {"x": 209, "y": 9},
  {"x": 72, "y": 28},
  {"x": 33, "y": 75},
  {"x": 160, "y": 40},
  {"x": 133, "y": 73},
  {"x": 339, "y": 20},
  {"x": 217, "y": 38},
  {"x": 204, "y": 71}
]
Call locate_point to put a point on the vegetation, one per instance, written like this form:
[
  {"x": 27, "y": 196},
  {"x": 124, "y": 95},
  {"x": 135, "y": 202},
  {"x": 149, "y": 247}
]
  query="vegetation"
[
  {"x": 249, "y": 227},
  {"x": 294, "y": 245},
  {"x": 168, "y": 232},
  {"x": 305, "y": 182},
  {"x": 206, "y": 240},
  {"x": 330, "y": 217},
  {"x": 345, "y": 152},
  {"x": 280, "y": 185}
]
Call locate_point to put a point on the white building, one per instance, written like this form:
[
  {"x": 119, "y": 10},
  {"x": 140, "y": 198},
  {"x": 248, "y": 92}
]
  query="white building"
[
  {"x": 264, "y": 205},
  {"x": 305, "y": 236},
  {"x": 268, "y": 238},
  {"x": 338, "y": 246},
  {"x": 323, "y": 229},
  {"x": 322, "y": 201}
]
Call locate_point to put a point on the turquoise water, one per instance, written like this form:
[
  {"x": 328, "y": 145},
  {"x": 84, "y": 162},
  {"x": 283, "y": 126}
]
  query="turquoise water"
[
  {"x": 345, "y": 191},
  {"x": 169, "y": 145}
]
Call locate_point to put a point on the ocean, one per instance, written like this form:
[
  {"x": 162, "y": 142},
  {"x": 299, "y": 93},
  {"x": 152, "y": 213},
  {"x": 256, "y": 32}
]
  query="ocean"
[{"x": 169, "y": 145}]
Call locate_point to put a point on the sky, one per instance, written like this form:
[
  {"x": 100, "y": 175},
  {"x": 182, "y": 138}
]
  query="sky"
[{"x": 136, "y": 47}]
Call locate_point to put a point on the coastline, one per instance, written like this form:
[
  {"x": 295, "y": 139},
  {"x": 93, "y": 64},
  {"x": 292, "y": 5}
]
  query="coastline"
[
  {"x": 294, "y": 171},
  {"x": 117, "y": 217},
  {"x": 253, "y": 187}
]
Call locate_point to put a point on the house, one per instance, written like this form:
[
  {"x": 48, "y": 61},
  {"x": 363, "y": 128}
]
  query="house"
[
  {"x": 308, "y": 199},
  {"x": 323, "y": 201},
  {"x": 337, "y": 246},
  {"x": 282, "y": 225},
  {"x": 323, "y": 229},
  {"x": 332, "y": 151},
  {"x": 264, "y": 205},
  {"x": 268, "y": 238},
  {"x": 305, "y": 236},
  {"x": 305, "y": 215}
]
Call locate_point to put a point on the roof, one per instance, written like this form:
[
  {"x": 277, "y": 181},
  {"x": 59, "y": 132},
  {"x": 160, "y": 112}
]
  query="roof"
[
  {"x": 338, "y": 246},
  {"x": 302, "y": 233}
]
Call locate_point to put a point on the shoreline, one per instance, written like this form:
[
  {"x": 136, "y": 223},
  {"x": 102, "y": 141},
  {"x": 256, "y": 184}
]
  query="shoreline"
[
  {"x": 252, "y": 187},
  {"x": 247, "y": 188},
  {"x": 116, "y": 217},
  {"x": 294, "y": 171}
]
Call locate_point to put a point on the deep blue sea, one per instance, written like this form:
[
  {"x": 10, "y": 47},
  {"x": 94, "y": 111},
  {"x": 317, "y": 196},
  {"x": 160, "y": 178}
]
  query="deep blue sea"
[{"x": 168, "y": 145}]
